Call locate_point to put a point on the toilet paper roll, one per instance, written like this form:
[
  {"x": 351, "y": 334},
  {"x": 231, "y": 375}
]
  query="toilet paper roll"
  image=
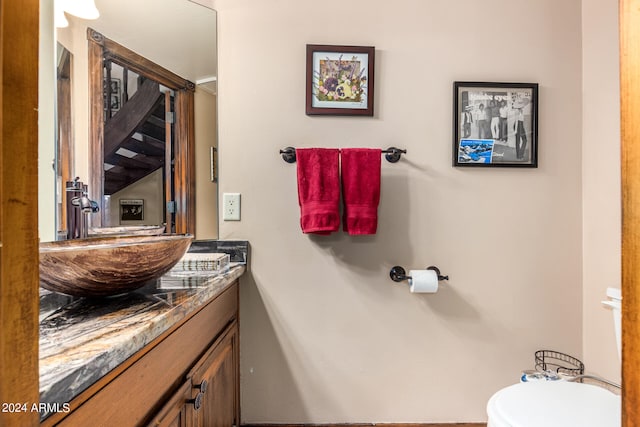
[{"x": 423, "y": 281}]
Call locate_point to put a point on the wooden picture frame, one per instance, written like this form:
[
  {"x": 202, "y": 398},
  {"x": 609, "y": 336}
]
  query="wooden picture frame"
[
  {"x": 340, "y": 80},
  {"x": 495, "y": 124}
]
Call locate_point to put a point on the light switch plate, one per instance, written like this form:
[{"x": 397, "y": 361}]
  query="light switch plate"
[{"x": 231, "y": 206}]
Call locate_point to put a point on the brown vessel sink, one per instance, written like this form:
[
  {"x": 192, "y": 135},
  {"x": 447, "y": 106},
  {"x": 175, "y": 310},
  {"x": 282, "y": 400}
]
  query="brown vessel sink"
[{"x": 103, "y": 266}]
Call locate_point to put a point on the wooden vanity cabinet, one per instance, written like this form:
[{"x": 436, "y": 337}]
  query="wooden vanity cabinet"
[
  {"x": 176, "y": 411},
  {"x": 209, "y": 398},
  {"x": 158, "y": 386},
  {"x": 215, "y": 379}
]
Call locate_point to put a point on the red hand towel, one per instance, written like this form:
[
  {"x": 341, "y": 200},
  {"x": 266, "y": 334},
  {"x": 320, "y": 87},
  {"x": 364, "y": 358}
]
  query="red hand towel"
[
  {"x": 318, "y": 189},
  {"x": 361, "y": 189}
]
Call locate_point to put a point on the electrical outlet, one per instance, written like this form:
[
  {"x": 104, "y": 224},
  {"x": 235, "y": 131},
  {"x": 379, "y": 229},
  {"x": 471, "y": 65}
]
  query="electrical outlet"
[{"x": 231, "y": 207}]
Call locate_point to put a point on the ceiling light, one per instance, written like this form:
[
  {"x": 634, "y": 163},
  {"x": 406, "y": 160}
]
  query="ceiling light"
[
  {"x": 59, "y": 19},
  {"x": 85, "y": 9}
]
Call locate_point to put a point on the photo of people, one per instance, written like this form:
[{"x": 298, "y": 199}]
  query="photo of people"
[
  {"x": 132, "y": 210},
  {"x": 114, "y": 92},
  {"x": 502, "y": 113}
]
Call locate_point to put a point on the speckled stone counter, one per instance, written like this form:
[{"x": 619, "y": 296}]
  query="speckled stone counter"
[{"x": 83, "y": 339}]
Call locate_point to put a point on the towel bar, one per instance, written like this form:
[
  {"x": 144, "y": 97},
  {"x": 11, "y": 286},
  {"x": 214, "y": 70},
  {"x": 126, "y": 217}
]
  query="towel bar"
[{"x": 392, "y": 154}]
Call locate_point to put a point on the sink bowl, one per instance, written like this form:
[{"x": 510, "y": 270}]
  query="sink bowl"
[
  {"x": 148, "y": 230},
  {"x": 104, "y": 266}
]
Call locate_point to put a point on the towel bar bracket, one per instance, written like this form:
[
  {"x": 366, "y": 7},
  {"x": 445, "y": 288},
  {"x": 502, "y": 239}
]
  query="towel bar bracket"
[
  {"x": 289, "y": 154},
  {"x": 393, "y": 154}
]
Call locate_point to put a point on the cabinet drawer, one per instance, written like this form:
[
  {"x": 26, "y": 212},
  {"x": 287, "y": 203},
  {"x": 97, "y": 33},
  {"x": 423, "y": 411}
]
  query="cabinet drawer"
[{"x": 141, "y": 390}]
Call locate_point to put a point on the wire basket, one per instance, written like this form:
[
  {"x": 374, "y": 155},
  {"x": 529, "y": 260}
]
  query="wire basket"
[{"x": 548, "y": 360}]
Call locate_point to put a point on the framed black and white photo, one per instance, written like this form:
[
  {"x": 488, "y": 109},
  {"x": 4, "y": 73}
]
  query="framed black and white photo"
[
  {"x": 495, "y": 124},
  {"x": 131, "y": 210},
  {"x": 113, "y": 93}
]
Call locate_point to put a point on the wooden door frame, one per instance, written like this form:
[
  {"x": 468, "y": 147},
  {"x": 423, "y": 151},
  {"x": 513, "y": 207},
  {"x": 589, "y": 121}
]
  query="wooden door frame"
[
  {"x": 64, "y": 149},
  {"x": 184, "y": 126},
  {"x": 630, "y": 171},
  {"x": 19, "y": 302}
]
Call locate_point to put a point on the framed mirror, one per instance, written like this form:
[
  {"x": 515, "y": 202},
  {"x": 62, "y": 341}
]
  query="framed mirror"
[
  {"x": 141, "y": 138},
  {"x": 178, "y": 36}
]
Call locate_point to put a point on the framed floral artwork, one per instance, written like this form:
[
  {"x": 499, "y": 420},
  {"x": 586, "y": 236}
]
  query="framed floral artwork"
[
  {"x": 495, "y": 124},
  {"x": 340, "y": 80}
]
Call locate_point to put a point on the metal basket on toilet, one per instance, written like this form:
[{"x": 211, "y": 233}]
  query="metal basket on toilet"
[
  {"x": 552, "y": 365},
  {"x": 559, "y": 363}
]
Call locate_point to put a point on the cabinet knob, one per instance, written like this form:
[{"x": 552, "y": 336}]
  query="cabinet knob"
[
  {"x": 197, "y": 401},
  {"x": 202, "y": 386}
]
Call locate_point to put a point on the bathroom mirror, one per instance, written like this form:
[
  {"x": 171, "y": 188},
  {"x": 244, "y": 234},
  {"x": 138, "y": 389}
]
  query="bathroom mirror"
[{"x": 180, "y": 36}]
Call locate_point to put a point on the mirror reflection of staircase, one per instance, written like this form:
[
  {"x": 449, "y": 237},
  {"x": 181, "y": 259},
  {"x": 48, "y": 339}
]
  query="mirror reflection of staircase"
[
  {"x": 135, "y": 129},
  {"x": 141, "y": 132}
]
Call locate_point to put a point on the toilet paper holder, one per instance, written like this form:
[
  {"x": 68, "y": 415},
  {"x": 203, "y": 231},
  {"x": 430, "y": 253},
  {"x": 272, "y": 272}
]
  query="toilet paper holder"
[{"x": 398, "y": 274}]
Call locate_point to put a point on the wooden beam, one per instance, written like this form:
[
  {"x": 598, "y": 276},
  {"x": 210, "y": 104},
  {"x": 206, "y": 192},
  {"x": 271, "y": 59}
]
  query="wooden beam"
[
  {"x": 96, "y": 132},
  {"x": 19, "y": 23},
  {"x": 185, "y": 161},
  {"x": 64, "y": 150},
  {"x": 139, "y": 64},
  {"x": 168, "y": 175},
  {"x": 630, "y": 163}
]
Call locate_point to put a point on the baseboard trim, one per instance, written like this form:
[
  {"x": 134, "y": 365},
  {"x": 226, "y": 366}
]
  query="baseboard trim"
[{"x": 370, "y": 425}]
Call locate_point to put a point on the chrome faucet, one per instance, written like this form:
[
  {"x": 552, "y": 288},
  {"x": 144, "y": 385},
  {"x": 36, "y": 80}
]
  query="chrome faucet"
[
  {"x": 85, "y": 205},
  {"x": 78, "y": 207}
]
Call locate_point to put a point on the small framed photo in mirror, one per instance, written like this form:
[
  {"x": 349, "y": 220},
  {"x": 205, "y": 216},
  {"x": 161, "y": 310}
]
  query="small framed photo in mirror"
[
  {"x": 495, "y": 124},
  {"x": 131, "y": 210},
  {"x": 340, "y": 80},
  {"x": 113, "y": 93}
]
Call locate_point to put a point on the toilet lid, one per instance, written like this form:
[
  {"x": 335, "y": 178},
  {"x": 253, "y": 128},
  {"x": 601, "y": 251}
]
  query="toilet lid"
[{"x": 554, "y": 404}]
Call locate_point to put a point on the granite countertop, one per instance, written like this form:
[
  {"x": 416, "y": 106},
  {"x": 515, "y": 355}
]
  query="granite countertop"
[{"x": 82, "y": 339}]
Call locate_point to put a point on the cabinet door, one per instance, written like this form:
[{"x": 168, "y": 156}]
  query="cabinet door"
[
  {"x": 216, "y": 377},
  {"x": 177, "y": 411}
]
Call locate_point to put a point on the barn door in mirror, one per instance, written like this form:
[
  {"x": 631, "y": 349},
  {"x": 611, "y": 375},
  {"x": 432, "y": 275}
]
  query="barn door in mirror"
[{"x": 141, "y": 139}]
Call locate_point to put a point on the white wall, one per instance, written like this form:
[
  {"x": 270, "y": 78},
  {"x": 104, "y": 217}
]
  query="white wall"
[
  {"x": 601, "y": 181},
  {"x": 46, "y": 126},
  {"x": 326, "y": 336},
  {"x": 74, "y": 38}
]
